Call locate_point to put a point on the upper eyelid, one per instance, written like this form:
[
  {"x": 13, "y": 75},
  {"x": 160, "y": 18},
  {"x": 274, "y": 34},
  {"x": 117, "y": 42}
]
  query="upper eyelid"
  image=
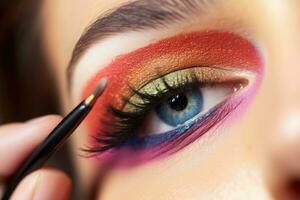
[
  {"x": 140, "y": 96},
  {"x": 160, "y": 54},
  {"x": 129, "y": 17}
]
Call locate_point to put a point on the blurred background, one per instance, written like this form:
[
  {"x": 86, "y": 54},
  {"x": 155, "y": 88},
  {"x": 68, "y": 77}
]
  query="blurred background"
[
  {"x": 27, "y": 89},
  {"x": 26, "y": 84}
]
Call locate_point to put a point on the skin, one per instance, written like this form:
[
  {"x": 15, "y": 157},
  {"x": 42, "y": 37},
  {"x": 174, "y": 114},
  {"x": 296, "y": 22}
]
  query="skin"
[
  {"x": 255, "y": 156},
  {"x": 41, "y": 184}
]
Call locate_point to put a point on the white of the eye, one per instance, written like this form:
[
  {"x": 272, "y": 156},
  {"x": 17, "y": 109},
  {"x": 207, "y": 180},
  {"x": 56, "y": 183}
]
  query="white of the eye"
[{"x": 211, "y": 97}]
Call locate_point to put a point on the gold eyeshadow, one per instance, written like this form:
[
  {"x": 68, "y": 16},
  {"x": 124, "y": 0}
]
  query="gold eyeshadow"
[{"x": 174, "y": 80}]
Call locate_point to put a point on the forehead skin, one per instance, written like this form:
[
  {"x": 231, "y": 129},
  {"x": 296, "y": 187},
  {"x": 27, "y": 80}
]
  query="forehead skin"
[
  {"x": 275, "y": 24},
  {"x": 66, "y": 20}
]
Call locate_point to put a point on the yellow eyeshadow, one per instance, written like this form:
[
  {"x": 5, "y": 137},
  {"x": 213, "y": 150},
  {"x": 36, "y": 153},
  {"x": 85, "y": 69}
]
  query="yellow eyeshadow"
[{"x": 177, "y": 79}]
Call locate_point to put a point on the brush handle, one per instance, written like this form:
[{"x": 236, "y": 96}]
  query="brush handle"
[{"x": 49, "y": 146}]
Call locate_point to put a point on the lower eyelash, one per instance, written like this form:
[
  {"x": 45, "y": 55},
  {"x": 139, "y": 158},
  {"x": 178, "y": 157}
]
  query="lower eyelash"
[
  {"x": 182, "y": 136},
  {"x": 152, "y": 140},
  {"x": 200, "y": 129},
  {"x": 196, "y": 129}
]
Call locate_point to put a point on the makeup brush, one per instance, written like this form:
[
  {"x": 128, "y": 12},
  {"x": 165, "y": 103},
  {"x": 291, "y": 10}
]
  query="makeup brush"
[{"x": 55, "y": 140}]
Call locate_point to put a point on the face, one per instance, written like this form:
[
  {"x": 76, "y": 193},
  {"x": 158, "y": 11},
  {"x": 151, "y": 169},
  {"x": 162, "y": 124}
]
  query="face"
[{"x": 202, "y": 100}]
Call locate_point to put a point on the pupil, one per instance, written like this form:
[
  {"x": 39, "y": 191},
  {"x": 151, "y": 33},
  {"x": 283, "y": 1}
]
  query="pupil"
[{"x": 178, "y": 102}]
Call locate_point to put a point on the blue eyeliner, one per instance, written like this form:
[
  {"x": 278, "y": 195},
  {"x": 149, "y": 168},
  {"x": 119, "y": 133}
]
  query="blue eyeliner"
[{"x": 138, "y": 143}]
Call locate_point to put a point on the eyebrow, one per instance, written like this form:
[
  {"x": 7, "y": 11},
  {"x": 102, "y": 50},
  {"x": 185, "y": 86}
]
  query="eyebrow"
[{"x": 135, "y": 16}]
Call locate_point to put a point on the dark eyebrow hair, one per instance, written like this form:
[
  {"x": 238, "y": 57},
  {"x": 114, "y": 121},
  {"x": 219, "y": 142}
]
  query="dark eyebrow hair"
[{"x": 135, "y": 16}]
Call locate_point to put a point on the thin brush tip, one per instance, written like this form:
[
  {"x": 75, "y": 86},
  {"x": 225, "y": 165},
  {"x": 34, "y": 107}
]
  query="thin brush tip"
[
  {"x": 101, "y": 86},
  {"x": 90, "y": 100}
]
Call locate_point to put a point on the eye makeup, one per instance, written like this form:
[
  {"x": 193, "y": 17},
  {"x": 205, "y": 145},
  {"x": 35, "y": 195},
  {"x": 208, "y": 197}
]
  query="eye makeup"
[
  {"x": 175, "y": 81},
  {"x": 139, "y": 80}
]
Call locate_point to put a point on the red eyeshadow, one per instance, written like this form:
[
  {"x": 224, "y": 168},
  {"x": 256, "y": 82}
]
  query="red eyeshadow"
[{"x": 209, "y": 48}]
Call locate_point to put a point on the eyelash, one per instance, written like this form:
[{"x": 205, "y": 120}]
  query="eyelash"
[{"x": 126, "y": 123}]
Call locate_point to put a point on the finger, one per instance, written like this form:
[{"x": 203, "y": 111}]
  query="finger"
[
  {"x": 44, "y": 184},
  {"x": 17, "y": 141}
]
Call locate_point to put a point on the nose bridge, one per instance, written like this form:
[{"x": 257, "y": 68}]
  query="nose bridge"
[
  {"x": 288, "y": 118},
  {"x": 279, "y": 97},
  {"x": 288, "y": 77},
  {"x": 285, "y": 59},
  {"x": 284, "y": 74},
  {"x": 289, "y": 69}
]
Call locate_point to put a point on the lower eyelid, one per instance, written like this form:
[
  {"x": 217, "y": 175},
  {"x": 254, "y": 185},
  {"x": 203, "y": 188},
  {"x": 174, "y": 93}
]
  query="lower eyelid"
[
  {"x": 163, "y": 137},
  {"x": 206, "y": 121},
  {"x": 137, "y": 156},
  {"x": 215, "y": 121}
]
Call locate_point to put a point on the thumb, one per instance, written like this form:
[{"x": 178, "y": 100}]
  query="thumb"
[
  {"x": 18, "y": 140},
  {"x": 44, "y": 184}
]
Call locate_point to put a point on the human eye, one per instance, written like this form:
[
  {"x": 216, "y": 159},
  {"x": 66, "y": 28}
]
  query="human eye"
[
  {"x": 157, "y": 105},
  {"x": 179, "y": 102},
  {"x": 175, "y": 104}
]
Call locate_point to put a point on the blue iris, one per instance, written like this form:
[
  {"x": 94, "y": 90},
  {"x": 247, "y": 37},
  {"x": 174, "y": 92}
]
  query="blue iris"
[
  {"x": 175, "y": 110},
  {"x": 180, "y": 107}
]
